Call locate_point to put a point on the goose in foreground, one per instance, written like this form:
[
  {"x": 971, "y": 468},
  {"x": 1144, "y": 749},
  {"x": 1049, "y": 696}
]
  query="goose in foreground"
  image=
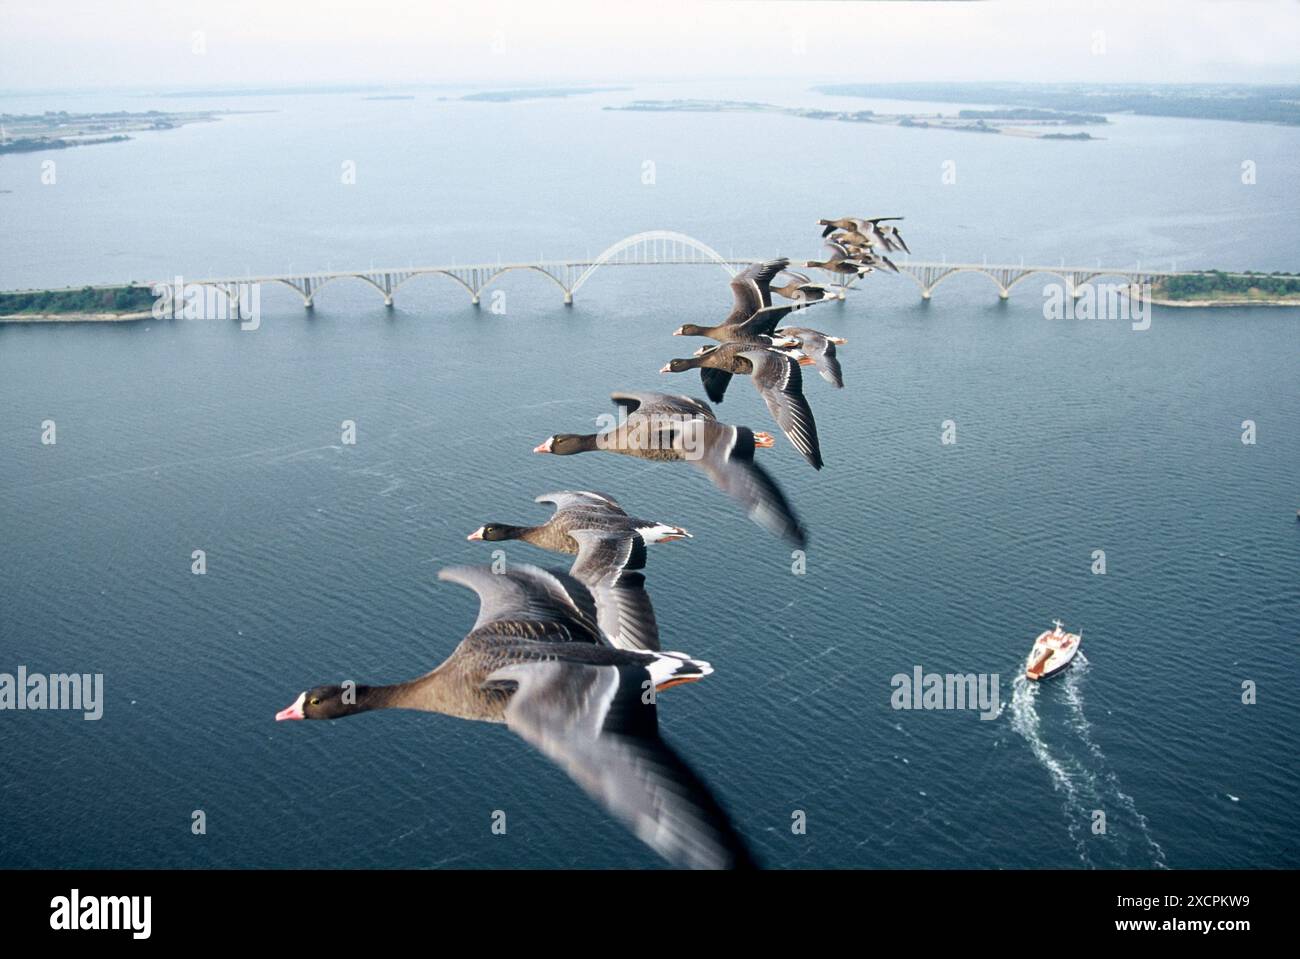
[
  {"x": 800, "y": 288},
  {"x": 777, "y": 378},
  {"x": 818, "y": 350},
  {"x": 667, "y": 428},
  {"x": 578, "y": 509},
  {"x": 752, "y": 315},
  {"x": 537, "y": 661}
]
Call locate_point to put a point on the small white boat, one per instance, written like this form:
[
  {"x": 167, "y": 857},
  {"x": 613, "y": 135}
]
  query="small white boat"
[{"x": 1053, "y": 650}]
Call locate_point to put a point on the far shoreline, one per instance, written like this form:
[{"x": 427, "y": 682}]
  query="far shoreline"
[
  {"x": 1212, "y": 304},
  {"x": 35, "y": 319}
]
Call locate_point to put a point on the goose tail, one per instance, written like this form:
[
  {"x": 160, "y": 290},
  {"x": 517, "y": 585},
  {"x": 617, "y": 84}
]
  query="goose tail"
[{"x": 672, "y": 669}]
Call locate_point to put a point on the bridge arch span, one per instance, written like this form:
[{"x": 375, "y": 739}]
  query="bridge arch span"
[
  {"x": 953, "y": 271},
  {"x": 670, "y": 239},
  {"x": 568, "y": 293},
  {"x": 308, "y": 294},
  {"x": 1127, "y": 276},
  {"x": 289, "y": 284},
  {"x": 315, "y": 288},
  {"x": 419, "y": 273},
  {"x": 920, "y": 283},
  {"x": 1065, "y": 278}
]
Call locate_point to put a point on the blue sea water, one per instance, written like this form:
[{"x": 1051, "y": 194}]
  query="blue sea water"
[{"x": 1072, "y": 436}]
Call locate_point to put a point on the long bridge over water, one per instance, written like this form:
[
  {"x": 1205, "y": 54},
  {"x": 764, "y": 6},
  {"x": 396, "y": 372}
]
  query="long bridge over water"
[{"x": 656, "y": 248}]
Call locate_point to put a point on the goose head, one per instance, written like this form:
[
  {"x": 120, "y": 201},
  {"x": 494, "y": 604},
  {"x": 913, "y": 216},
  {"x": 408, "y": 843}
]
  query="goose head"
[
  {"x": 680, "y": 366},
  {"x": 322, "y": 702},
  {"x": 565, "y": 444},
  {"x": 494, "y": 533}
]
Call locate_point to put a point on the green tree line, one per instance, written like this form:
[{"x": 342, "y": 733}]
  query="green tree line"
[
  {"x": 1192, "y": 285},
  {"x": 121, "y": 299}
]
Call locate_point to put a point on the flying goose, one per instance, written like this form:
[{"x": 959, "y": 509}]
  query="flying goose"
[
  {"x": 861, "y": 261},
  {"x": 801, "y": 288},
  {"x": 854, "y": 241},
  {"x": 848, "y": 223},
  {"x": 869, "y": 229},
  {"x": 873, "y": 260},
  {"x": 893, "y": 240},
  {"x": 854, "y": 224},
  {"x": 777, "y": 378},
  {"x": 609, "y": 564},
  {"x": 667, "y": 428},
  {"x": 753, "y": 315},
  {"x": 818, "y": 350},
  {"x": 537, "y": 661},
  {"x": 841, "y": 261},
  {"x": 578, "y": 509},
  {"x": 611, "y": 551}
]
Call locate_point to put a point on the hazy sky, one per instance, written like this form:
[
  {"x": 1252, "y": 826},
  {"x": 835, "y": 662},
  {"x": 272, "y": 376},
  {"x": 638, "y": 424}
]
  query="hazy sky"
[{"x": 165, "y": 45}]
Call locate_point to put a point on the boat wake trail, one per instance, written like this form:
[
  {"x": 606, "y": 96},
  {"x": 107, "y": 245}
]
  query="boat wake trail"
[
  {"x": 1072, "y": 688},
  {"x": 1080, "y": 772},
  {"x": 1025, "y": 721}
]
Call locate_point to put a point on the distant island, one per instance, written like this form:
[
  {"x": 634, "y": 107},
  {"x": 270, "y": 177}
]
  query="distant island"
[
  {"x": 33, "y": 144},
  {"x": 1014, "y": 122},
  {"x": 1032, "y": 116},
  {"x": 392, "y": 96},
  {"x": 1201, "y": 101},
  {"x": 30, "y": 132},
  {"x": 505, "y": 96},
  {"x": 88, "y": 304},
  {"x": 1216, "y": 288}
]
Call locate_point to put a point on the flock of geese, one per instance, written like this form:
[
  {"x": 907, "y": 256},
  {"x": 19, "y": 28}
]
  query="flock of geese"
[
  {"x": 859, "y": 246},
  {"x": 571, "y": 660}
]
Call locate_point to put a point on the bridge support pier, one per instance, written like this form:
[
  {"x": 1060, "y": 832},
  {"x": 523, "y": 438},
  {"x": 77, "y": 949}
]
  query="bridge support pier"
[
  {"x": 568, "y": 298},
  {"x": 474, "y": 300},
  {"x": 925, "y": 294},
  {"x": 388, "y": 300},
  {"x": 1004, "y": 293}
]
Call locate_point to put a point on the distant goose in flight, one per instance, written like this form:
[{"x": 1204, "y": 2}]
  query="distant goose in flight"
[
  {"x": 801, "y": 287},
  {"x": 870, "y": 229},
  {"x": 854, "y": 224},
  {"x": 818, "y": 350},
  {"x": 777, "y": 378},
  {"x": 578, "y": 509},
  {"x": 841, "y": 261},
  {"x": 752, "y": 314},
  {"x": 667, "y": 428},
  {"x": 864, "y": 261},
  {"x": 893, "y": 240},
  {"x": 537, "y": 661},
  {"x": 854, "y": 242},
  {"x": 874, "y": 261}
]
